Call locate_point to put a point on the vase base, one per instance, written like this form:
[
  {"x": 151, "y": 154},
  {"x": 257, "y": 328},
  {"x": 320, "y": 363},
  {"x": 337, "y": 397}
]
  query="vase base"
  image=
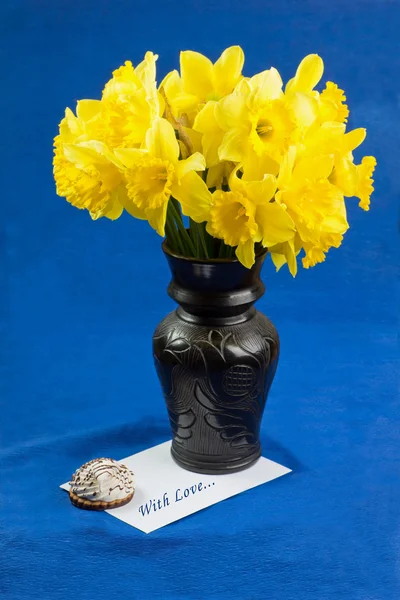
[{"x": 213, "y": 465}]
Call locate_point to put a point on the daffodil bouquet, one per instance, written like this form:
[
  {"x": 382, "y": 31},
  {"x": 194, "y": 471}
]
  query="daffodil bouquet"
[{"x": 218, "y": 163}]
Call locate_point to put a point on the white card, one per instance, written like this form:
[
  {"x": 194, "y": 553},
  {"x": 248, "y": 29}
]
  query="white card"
[{"x": 166, "y": 493}]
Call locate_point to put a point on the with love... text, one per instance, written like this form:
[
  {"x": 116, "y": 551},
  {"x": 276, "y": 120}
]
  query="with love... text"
[{"x": 155, "y": 504}]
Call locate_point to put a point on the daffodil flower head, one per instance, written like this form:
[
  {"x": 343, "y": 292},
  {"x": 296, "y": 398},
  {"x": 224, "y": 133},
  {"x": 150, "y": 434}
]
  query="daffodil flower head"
[
  {"x": 254, "y": 117},
  {"x": 248, "y": 214},
  {"x": 83, "y": 166},
  {"x": 314, "y": 203},
  {"x": 154, "y": 173},
  {"x": 87, "y": 176},
  {"x": 201, "y": 81},
  {"x": 131, "y": 102}
]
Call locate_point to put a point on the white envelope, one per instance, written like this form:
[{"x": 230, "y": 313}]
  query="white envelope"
[{"x": 166, "y": 493}]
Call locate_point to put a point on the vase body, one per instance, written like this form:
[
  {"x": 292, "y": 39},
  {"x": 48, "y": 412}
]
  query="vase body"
[{"x": 216, "y": 358}]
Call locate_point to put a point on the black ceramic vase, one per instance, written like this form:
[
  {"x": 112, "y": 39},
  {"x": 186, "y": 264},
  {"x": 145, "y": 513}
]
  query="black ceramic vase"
[{"x": 216, "y": 357}]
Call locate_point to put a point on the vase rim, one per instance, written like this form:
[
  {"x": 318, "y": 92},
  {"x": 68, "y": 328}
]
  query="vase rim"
[{"x": 189, "y": 259}]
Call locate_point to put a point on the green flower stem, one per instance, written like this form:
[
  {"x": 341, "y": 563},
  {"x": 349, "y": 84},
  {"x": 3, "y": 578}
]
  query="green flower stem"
[
  {"x": 200, "y": 230},
  {"x": 169, "y": 236},
  {"x": 209, "y": 241},
  {"x": 183, "y": 234},
  {"x": 221, "y": 251},
  {"x": 194, "y": 233},
  {"x": 174, "y": 241}
]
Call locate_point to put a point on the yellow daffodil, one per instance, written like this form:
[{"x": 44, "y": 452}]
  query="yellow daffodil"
[
  {"x": 277, "y": 158},
  {"x": 154, "y": 173},
  {"x": 200, "y": 81},
  {"x": 130, "y": 103},
  {"x": 84, "y": 169},
  {"x": 351, "y": 179},
  {"x": 331, "y": 101},
  {"x": 247, "y": 214},
  {"x": 355, "y": 180},
  {"x": 86, "y": 175},
  {"x": 232, "y": 219},
  {"x": 259, "y": 119},
  {"x": 254, "y": 119},
  {"x": 315, "y": 205}
]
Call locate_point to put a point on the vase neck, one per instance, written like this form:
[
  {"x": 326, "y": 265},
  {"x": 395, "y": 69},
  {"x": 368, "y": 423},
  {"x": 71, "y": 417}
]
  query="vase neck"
[{"x": 214, "y": 290}]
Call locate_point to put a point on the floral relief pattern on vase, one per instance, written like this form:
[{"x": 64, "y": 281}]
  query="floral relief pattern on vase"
[{"x": 215, "y": 384}]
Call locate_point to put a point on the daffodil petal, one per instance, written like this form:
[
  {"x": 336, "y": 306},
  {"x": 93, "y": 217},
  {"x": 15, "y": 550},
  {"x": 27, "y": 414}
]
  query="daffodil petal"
[
  {"x": 135, "y": 211},
  {"x": 195, "y": 138},
  {"x": 195, "y": 162},
  {"x": 227, "y": 70},
  {"x": 305, "y": 109},
  {"x": 146, "y": 71},
  {"x": 285, "y": 253},
  {"x": 245, "y": 253},
  {"x": 178, "y": 100},
  {"x": 211, "y": 143},
  {"x": 267, "y": 86},
  {"x": 129, "y": 206},
  {"x": 231, "y": 112},
  {"x": 86, "y": 154},
  {"x": 236, "y": 183},
  {"x": 233, "y": 146},
  {"x": 353, "y": 139},
  {"x": 194, "y": 197},
  {"x": 205, "y": 120},
  {"x": 196, "y": 73},
  {"x": 88, "y": 109},
  {"x": 71, "y": 122},
  {"x": 278, "y": 259},
  {"x": 286, "y": 170},
  {"x": 291, "y": 258},
  {"x": 172, "y": 82},
  {"x": 161, "y": 141},
  {"x": 206, "y": 123},
  {"x": 275, "y": 222},
  {"x": 315, "y": 167},
  {"x": 255, "y": 167},
  {"x": 308, "y": 74},
  {"x": 260, "y": 192},
  {"x": 243, "y": 88},
  {"x": 130, "y": 157},
  {"x": 101, "y": 150},
  {"x": 157, "y": 217},
  {"x": 335, "y": 224},
  {"x": 116, "y": 207},
  {"x": 345, "y": 177}
]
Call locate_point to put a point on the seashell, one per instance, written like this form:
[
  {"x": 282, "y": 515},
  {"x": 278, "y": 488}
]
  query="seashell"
[{"x": 101, "y": 484}]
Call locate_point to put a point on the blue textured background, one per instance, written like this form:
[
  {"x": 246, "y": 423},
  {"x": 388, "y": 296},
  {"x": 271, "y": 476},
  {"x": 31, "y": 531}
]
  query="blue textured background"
[{"x": 79, "y": 302}]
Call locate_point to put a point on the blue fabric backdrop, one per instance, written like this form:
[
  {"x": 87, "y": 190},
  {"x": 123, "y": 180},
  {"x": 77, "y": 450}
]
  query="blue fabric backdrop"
[{"x": 79, "y": 302}]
